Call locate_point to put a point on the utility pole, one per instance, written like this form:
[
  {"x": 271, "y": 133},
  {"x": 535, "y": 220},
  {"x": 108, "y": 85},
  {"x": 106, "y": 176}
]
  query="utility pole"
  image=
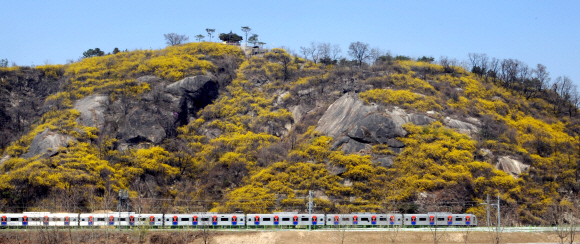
[
  {"x": 487, "y": 210},
  {"x": 310, "y": 208},
  {"x": 123, "y": 202},
  {"x": 498, "y": 213}
]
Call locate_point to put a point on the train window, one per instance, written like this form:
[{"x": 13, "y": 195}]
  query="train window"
[
  {"x": 83, "y": 220},
  {"x": 345, "y": 219},
  {"x": 204, "y": 219},
  {"x": 185, "y": 219},
  {"x": 303, "y": 219},
  {"x": 399, "y": 219},
  {"x": 123, "y": 219},
  {"x": 458, "y": 219},
  {"x": 143, "y": 219},
  {"x": 422, "y": 219},
  {"x": 382, "y": 219},
  {"x": 364, "y": 219},
  {"x": 100, "y": 219},
  {"x": 241, "y": 219},
  {"x": 440, "y": 219},
  {"x": 285, "y": 219},
  {"x": 267, "y": 219},
  {"x": 225, "y": 219},
  {"x": 166, "y": 219},
  {"x": 14, "y": 219},
  {"x": 159, "y": 219},
  {"x": 249, "y": 219},
  {"x": 73, "y": 219}
]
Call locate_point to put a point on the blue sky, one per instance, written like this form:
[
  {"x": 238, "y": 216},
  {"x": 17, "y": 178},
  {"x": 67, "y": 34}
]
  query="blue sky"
[{"x": 546, "y": 32}]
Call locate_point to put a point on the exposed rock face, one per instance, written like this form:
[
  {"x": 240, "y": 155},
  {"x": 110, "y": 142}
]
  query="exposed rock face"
[
  {"x": 342, "y": 114},
  {"x": 159, "y": 112},
  {"x": 142, "y": 126},
  {"x": 511, "y": 165},
  {"x": 192, "y": 94},
  {"x": 356, "y": 126},
  {"x": 92, "y": 110},
  {"x": 400, "y": 117},
  {"x": 461, "y": 126},
  {"x": 386, "y": 162},
  {"x": 47, "y": 140}
]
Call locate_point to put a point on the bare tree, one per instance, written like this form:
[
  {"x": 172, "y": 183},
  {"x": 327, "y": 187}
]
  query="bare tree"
[
  {"x": 209, "y": 33},
  {"x": 313, "y": 52},
  {"x": 564, "y": 88},
  {"x": 246, "y": 29},
  {"x": 173, "y": 39},
  {"x": 359, "y": 51},
  {"x": 375, "y": 53},
  {"x": 205, "y": 232},
  {"x": 341, "y": 227},
  {"x": 200, "y": 37},
  {"x": 435, "y": 231}
]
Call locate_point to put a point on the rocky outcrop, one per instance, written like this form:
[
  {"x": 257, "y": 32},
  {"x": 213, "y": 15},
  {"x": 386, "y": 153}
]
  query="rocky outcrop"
[
  {"x": 356, "y": 126},
  {"x": 46, "y": 143},
  {"x": 462, "y": 127},
  {"x": 400, "y": 117},
  {"x": 511, "y": 165},
  {"x": 386, "y": 162},
  {"x": 159, "y": 112},
  {"x": 342, "y": 114},
  {"x": 142, "y": 126},
  {"x": 191, "y": 94},
  {"x": 92, "y": 109}
]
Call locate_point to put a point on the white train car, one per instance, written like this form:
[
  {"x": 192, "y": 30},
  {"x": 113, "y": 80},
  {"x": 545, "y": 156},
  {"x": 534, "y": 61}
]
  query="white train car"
[
  {"x": 36, "y": 218},
  {"x": 12, "y": 220},
  {"x": 63, "y": 219},
  {"x": 146, "y": 219},
  {"x": 260, "y": 219},
  {"x": 395, "y": 219},
  {"x": 191, "y": 219},
  {"x": 94, "y": 219},
  {"x": 361, "y": 219},
  {"x": 228, "y": 220},
  {"x": 121, "y": 218}
]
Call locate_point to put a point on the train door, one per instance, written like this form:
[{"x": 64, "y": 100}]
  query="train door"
[
  {"x": 234, "y": 220},
  {"x": 276, "y": 220},
  {"x": 431, "y": 220},
  {"x": 449, "y": 220},
  {"x": 194, "y": 219},
  {"x": 111, "y": 220},
  {"x": 295, "y": 220},
  {"x": 354, "y": 220},
  {"x": 174, "y": 220},
  {"x": 374, "y": 220},
  {"x": 66, "y": 220},
  {"x": 413, "y": 220},
  {"x": 467, "y": 220},
  {"x": 24, "y": 220},
  {"x": 257, "y": 220},
  {"x": 3, "y": 220}
]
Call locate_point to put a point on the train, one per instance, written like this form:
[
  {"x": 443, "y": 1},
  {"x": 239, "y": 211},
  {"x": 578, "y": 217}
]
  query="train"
[{"x": 235, "y": 220}]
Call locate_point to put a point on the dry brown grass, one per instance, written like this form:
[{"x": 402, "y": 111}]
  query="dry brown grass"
[{"x": 267, "y": 237}]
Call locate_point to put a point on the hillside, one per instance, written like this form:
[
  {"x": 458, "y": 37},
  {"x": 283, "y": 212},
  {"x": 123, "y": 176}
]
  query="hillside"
[{"x": 202, "y": 127}]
